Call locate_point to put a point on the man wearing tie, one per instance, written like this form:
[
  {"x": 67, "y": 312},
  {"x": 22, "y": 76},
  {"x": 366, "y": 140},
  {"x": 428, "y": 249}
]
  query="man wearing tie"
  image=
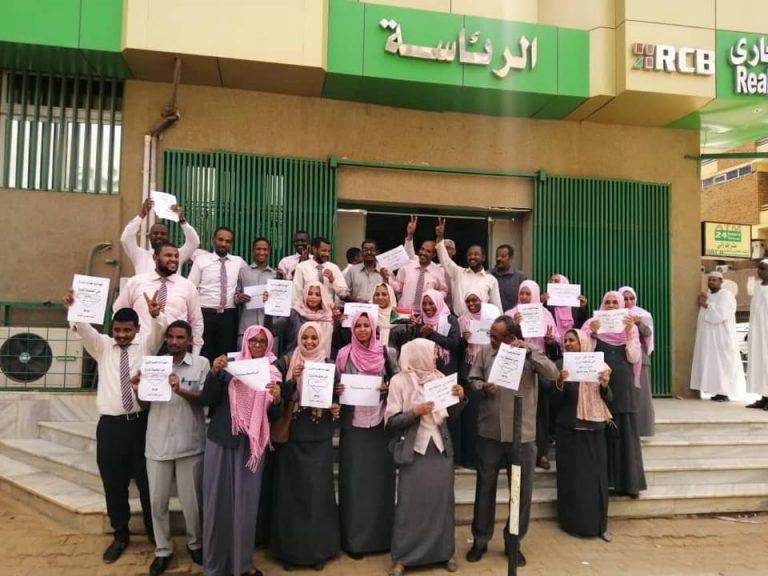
[
  {"x": 215, "y": 276},
  {"x": 320, "y": 269}
]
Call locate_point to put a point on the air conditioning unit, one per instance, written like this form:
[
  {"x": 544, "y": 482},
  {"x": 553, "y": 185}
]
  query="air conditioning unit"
[
  {"x": 34, "y": 357},
  {"x": 758, "y": 249}
]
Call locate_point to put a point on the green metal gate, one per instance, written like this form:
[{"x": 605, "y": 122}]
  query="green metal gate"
[
  {"x": 253, "y": 195},
  {"x": 604, "y": 234}
]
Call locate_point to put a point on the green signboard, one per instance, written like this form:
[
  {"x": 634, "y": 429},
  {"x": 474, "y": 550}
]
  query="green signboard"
[
  {"x": 741, "y": 64},
  {"x": 441, "y": 61}
]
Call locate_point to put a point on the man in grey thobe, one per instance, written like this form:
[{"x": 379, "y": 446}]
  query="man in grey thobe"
[{"x": 495, "y": 433}]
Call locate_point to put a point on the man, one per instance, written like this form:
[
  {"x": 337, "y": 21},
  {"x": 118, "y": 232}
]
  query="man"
[
  {"x": 122, "y": 426},
  {"x": 287, "y": 265},
  {"x": 717, "y": 367},
  {"x": 256, "y": 274},
  {"x": 362, "y": 278},
  {"x": 471, "y": 280},
  {"x": 354, "y": 256},
  {"x": 416, "y": 277},
  {"x": 509, "y": 278},
  {"x": 215, "y": 276},
  {"x": 757, "y": 370},
  {"x": 177, "y": 295},
  {"x": 158, "y": 235},
  {"x": 174, "y": 448},
  {"x": 320, "y": 269},
  {"x": 496, "y": 433}
]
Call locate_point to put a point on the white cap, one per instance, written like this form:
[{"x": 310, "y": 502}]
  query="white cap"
[
  {"x": 715, "y": 274},
  {"x": 764, "y": 261}
]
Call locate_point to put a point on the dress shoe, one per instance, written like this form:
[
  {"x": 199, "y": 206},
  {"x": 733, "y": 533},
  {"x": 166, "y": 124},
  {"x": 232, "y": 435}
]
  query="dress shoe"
[
  {"x": 196, "y": 555},
  {"x": 114, "y": 550},
  {"x": 475, "y": 553},
  {"x": 719, "y": 398},
  {"x": 543, "y": 463},
  {"x": 760, "y": 404},
  {"x": 521, "y": 561},
  {"x": 288, "y": 567},
  {"x": 319, "y": 567},
  {"x": 159, "y": 565},
  {"x": 355, "y": 555}
]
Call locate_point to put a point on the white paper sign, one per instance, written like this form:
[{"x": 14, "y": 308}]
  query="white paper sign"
[
  {"x": 257, "y": 296},
  {"x": 360, "y": 390},
  {"x": 564, "y": 295},
  {"x": 90, "y": 299},
  {"x": 583, "y": 366},
  {"x": 161, "y": 204},
  {"x": 508, "y": 367},
  {"x": 352, "y": 308},
  {"x": 254, "y": 372},
  {"x": 489, "y": 311},
  {"x": 393, "y": 259},
  {"x": 154, "y": 385},
  {"x": 317, "y": 384},
  {"x": 279, "y": 301},
  {"x": 443, "y": 326},
  {"x": 532, "y": 324},
  {"x": 440, "y": 392},
  {"x": 480, "y": 331},
  {"x": 611, "y": 321}
]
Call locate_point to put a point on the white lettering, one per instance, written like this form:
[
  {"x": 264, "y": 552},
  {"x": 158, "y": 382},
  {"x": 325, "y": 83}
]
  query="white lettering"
[
  {"x": 705, "y": 62},
  {"x": 682, "y": 61},
  {"x": 665, "y": 58},
  {"x": 741, "y": 80},
  {"x": 762, "y": 84},
  {"x": 752, "y": 83},
  {"x": 738, "y": 57}
]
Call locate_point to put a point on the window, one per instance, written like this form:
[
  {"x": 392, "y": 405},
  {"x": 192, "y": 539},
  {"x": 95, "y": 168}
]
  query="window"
[{"x": 60, "y": 133}]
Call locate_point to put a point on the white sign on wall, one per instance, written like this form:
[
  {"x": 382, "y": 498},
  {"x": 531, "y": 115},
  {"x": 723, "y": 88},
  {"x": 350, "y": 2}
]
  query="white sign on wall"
[{"x": 665, "y": 58}]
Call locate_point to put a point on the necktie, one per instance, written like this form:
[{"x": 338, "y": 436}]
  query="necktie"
[
  {"x": 320, "y": 272},
  {"x": 223, "y": 283},
  {"x": 419, "y": 289},
  {"x": 125, "y": 381},
  {"x": 162, "y": 294}
]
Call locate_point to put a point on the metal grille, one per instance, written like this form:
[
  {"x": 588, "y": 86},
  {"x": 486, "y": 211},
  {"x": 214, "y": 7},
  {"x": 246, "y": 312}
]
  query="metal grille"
[
  {"x": 60, "y": 133},
  {"x": 254, "y": 196},
  {"x": 604, "y": 234}
]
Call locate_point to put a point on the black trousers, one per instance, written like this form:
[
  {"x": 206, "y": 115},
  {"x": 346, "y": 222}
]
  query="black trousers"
[
  {"x": 120, "y": 457},
  {"x": 219, "y": 333},
  {"x": 492, "y": 456},
  {"x": 543, "y": 419}
]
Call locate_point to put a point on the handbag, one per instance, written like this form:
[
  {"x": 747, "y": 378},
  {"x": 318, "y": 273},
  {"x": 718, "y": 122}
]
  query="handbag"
[
  {"x": 280, "y": 429},
  {"x": 400, "y": 455}
]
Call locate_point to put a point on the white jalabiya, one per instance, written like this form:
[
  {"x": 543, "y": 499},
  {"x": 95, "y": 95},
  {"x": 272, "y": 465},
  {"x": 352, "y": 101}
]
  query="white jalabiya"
[
  {"x": 717, "y": 367},
  {"x": 757, "y": 372}
]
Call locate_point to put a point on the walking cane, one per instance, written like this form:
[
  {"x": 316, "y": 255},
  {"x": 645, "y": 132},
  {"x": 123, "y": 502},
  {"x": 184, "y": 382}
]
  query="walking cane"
[{"x": 514, "y": 476}]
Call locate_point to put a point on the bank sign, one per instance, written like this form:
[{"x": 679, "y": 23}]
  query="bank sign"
[
  {"x": 742, "y": 64},
  {"x": 666, "y": 58},
  {"x": 720, "y": 239}
]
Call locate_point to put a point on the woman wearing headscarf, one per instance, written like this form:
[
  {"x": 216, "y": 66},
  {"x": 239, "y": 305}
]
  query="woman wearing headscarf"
[
  {"x": 366, "y": 469},
  {"x": 566, "y": 317},
  {"x": 314, "y": 306},
  {"x": 646, "y": 417},
  {"x": 530, "y": 293},
  {"x": 383, "y": 296},
  {"x": 305, "y": 527},
  {"x": 582, "y": 466},
  {"x": 622, "y": 354},
  {"x": 424, "y": 515},
  {"x": 238, "y": 435}
]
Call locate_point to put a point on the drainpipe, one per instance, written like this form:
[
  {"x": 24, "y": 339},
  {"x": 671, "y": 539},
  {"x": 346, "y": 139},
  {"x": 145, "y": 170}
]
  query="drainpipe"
[{"x": 170, "y": 116}]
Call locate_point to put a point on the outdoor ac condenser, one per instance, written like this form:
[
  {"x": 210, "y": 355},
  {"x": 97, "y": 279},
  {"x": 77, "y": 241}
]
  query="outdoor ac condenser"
[{"x": 34, "y": 357}]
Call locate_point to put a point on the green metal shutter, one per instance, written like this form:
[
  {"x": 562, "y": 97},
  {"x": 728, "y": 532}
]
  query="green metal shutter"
[
  {"x": 604, "y": 234},
  {"x": 253, "y": 195}
]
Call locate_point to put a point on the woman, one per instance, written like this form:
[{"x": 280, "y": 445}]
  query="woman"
[
  {"x": 384, "y": 297},
  {"x": 238, "y": 435},
  {"x": 314, "y": 307},
  {"x": 305, "y": 528},
  {"x": 566, "y": 317},
  {"x": 582, "y": 466},
  {"x": 646, "y": 417},
  {"x": 424, "y": 519},
  {"x": 366, "y": 469},
  {"x": 530, "y": 293},
  {"x": 622, "y": 354}
]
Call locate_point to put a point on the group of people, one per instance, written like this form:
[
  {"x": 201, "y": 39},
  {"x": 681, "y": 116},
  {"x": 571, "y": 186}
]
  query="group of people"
[{"x": 262, "y": 471}]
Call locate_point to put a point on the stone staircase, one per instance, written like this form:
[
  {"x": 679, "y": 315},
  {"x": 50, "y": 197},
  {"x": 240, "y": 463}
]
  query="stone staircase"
[{"x": 705, "y": 458}]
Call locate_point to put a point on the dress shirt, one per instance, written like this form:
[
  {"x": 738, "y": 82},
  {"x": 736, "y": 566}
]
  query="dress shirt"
[
  {"x": 142, "y": 257},
  {"x": 464, "y": 281},
  {"x": 496, "y": 413},
  {"x": 176, "y": 429},
  {"x": 180, "y": 304},
  {"x": 509, "y": 285},
  {"x": 307, "y": 272},
  {"x": 106, "y": 352},
  {"x": 252, "y": 276},
  {"x": 287, "y": 265},
  {"x": 361, "y": 282},
  {"x": 407, "y": 278},
  {"x": 205, "y": 275}
]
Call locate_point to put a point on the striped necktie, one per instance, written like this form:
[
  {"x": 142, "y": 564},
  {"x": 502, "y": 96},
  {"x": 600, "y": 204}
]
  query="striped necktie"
[
  {"x": 319, "y": 273},
  {"x": 223, "y": 282},
  {"x": 162, "y": 294},
  {"x": 419, "y": 289},
  {"x": 125, "y": 381}
]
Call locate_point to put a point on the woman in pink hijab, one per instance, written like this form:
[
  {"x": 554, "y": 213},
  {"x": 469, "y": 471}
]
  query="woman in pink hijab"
[
  {"x": 622, "y": 353},
  {"x": 424, "y": 515},
  {"x": 566, "y": 317},
  {"x": 366, "y": 470},
  {"x": 313, "y": 307}
]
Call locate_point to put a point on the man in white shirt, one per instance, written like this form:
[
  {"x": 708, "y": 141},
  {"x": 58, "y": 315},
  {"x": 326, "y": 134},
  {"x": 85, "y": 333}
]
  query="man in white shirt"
[
  {"x": 462, "y": 281},
  {"x": 122, "y": 427},
  {"x": 757, "y": 369},
  {"x": 158, "y": 235},
  {"x": 322, "y": 270},
  {"x": 287, "y": 265},
  {"x": 215, "y": 276},
  {"x": 177, "y": 295},
  {"x": 717, "y": 367}
]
